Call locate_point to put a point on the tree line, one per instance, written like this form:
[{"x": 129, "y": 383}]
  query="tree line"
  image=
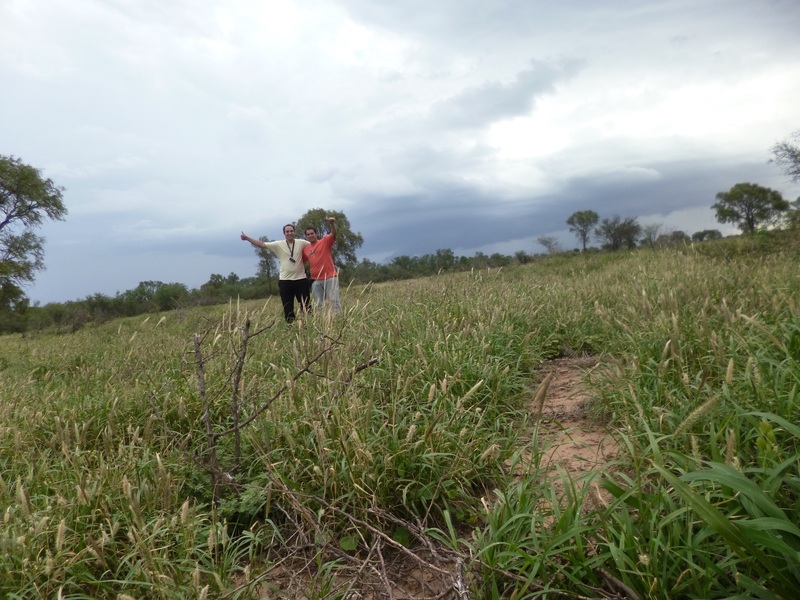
[
  {"x": 27, "y": 199},
  {"x": 157, "y": 296},
  {"x": 748, "y": 206}
]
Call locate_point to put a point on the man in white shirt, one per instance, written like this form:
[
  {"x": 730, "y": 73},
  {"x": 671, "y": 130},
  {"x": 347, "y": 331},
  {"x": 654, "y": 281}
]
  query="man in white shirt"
[{"x": 292, "y": 282}]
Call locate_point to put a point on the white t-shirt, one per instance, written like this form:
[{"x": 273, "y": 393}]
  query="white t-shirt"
[{"x": 284, "y": 251}]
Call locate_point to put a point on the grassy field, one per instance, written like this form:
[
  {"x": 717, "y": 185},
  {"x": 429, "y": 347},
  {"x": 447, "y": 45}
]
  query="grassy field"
[{"x": 219, "y": 453}]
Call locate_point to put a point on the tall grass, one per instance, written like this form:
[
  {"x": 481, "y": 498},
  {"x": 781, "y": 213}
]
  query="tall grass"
[{"x": 405, "y": 410}]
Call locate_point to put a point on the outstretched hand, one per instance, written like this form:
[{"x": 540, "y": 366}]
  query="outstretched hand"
[
  {"x": 330, "y": 219},
  {"x": 243, "y": 236}
]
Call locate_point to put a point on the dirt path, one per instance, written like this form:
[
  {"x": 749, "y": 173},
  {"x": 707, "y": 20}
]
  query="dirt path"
[{"x": 568, "y": 437}]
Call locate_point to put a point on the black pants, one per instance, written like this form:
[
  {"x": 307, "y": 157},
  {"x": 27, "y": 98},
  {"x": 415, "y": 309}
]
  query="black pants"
[{"x": 291, "y": 290}]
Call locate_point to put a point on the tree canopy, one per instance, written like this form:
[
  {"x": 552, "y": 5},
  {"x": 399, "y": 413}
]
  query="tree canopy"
[
  {"x": 26, "y": 200},
  {"x": 616, "y": 232},
  {"x": 581, "y": 224},
  {"x": 787, "y": 156},
  {"x": 650, "y": 234},
  {"x": 706, "y": 235},
  {"x": 267, "y": 263},
  {"x": 673, "y": 238},
  {"x": 550, "y": 243},
  {"x": 748, "y": 205}
]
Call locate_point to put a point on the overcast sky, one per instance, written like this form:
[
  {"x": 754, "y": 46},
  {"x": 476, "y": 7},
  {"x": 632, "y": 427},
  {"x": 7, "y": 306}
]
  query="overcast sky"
[{"x": 474, "y": 125}]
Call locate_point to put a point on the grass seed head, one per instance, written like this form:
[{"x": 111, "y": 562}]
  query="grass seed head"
[
  {"x": 185, "y": 512},
  {"x": 24, "y": 500},
  {"x": 62, "y": 531},
  {"x": 730, "y": 448}
]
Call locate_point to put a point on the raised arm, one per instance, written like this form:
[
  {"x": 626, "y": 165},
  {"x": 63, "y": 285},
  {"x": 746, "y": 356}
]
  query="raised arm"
[
  {"x": 255, "y": 242},
  {"x": 332, "y": 225}
]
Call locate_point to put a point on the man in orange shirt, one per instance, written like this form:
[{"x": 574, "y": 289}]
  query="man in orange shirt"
[{"x": 320, "y": 261}]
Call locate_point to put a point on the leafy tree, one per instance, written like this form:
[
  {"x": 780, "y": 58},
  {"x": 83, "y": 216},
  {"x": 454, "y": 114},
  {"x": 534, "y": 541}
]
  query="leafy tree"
[
  {"x": 790, "y": 219},
  {"x": 499, "y": 259},
  {"x": 13, "y": 308},
  {"x": 616, "y": 232},
  {"x": 26, "y": 199},
  {"x": 480, "y": 260},
  {"x": 215, "y": 282},
  {"x": 673, "y": 238},
  {"x": 347, "y": 241},
  {"x": 748, "y": 205},
  {"x": 522, "y": 257},
  {"x": 581, "y": 224},
  {"x": 405, "y": 265},
  {"x": 794, "y": 215},
  {"x": 267, "y": 264},
  {"x": 368, "y": 270},
  {"x": 550, "y": 243},
  {"x": 650, "y": 233},
  {"x": 787, "y": 156},
  {"x": 442, "y": 260},
  {"x": 170, "y": 295},
  {"x": 154, "y": 295},
  {"x": 706, "y": 235}
]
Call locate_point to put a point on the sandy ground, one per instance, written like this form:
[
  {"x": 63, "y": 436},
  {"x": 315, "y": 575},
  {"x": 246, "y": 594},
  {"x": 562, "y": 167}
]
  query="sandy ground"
[{"x": 569, "y": 439}]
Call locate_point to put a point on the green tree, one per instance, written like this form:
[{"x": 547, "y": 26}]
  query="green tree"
[
  {"x": 347, "y": 241},
  {"x": 26, "y": 199},
  {"x": 650, "y": 233},
  {"x": 706, "y": 235},
  {"x": 616, "y": 232},
  {"x": 406, "y": 265},
  {"x": 581, "y": 224},
  {"x": 499, "y": 259},
  {"x": 215, "y": 283},
  {"x": 267, "y": 264},
  {"x": 141, "y": 298},
  {"x": 169, "y": 296},
  {"x": 550, "y": 244},
  {"x": 748, "y": 205},
  {"x": 787, "y": 156},
  {"x": 443, "y": 260},
  {"x": 790, "y": 219},
  {"x": 13, "y": 308},
  {"x": 673, "y": 238},
  {"x": 794, "y": 215},
  {"x": 480, "y": 261}
]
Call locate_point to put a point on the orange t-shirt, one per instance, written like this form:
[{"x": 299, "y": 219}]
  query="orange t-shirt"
[{"x": 320, "y": 259}]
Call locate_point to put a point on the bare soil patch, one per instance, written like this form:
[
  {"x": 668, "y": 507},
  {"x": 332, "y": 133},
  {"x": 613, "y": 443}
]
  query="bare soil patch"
[{"x": 568, "y": 437}]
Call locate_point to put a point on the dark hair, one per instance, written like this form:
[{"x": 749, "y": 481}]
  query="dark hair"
[
  {"x": 287, "y": 225},
  {"x": 314, "y": 229}
]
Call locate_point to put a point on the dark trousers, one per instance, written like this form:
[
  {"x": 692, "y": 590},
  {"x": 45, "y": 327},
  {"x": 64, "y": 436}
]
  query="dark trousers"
[{"x": 291, "y": 290}]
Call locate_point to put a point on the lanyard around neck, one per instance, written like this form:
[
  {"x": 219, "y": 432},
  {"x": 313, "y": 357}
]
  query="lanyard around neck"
[{"x": 291, "y": 248}]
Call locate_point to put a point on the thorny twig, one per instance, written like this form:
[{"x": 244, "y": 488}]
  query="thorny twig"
[
  {"x": 617, "y": 585},
  {"x": 213, "y": 465},
  {"x": 383, "y": 575},
  {"x": 268, "y": 402},
  {"x": 237, "y": 379}
]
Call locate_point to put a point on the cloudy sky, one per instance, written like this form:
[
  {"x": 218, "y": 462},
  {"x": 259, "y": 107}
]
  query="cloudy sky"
[{"x": 474, "y": 125}]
